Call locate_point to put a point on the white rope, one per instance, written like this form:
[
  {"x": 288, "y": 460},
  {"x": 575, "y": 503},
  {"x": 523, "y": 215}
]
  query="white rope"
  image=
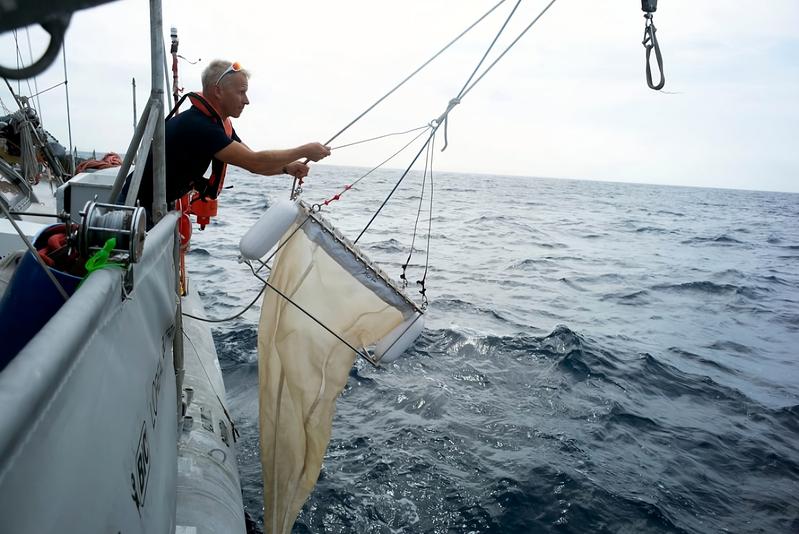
[
  {"x": 35, "y": 82},
  {"x": 30, "y": 166},
  {"x": 414, "y": 73},
  {"x": 69, "y": 117}
]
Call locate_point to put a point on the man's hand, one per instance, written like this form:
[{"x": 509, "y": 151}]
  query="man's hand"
[
  {"x": 316, "y": 151},
  {"x": 296, "y": 169}
]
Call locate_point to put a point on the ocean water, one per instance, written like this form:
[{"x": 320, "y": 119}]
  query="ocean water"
[{"x": 597, "y": 357}]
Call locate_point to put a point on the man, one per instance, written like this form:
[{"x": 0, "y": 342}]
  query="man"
[{"x": 199, "y": 136}]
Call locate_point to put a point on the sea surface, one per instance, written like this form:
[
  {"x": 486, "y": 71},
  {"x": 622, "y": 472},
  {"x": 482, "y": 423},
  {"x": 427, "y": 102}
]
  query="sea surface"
[{"x": 597, "y": 357}]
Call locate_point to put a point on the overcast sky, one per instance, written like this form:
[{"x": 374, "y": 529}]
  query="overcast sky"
[{"x": 570, "y": 100}]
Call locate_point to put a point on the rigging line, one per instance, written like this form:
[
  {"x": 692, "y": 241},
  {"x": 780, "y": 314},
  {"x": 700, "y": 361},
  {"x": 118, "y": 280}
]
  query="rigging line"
[
  {"x": 394, "y": 155},
  {"x": 14, "y": 95},
  {"x": 429, "y": 217},
  {"x": 35, "y": 253},
  {"x": 211, "y": 383},
  {"x": 404, "y": 174},
  {"x": 320, "y": 323},
  {"x": 44, "y": 91},
  {"x": 418, "y": 214},
  {"x": 210, "y": 320},
  {"x": 19, "y": 82},
  {"x": 35, "y": 82},
  {"x": 380, "y": 137},
  {"x": 21, "y": 63},
  {"x": 69, "y": 117},
  {"x": 353, "y": 184},
  {"x": 508, "y": 48},
  {"x": 370, "y": 108},
  {"x": 250, "y": 305},
  {"x": 480, "y": 63}
]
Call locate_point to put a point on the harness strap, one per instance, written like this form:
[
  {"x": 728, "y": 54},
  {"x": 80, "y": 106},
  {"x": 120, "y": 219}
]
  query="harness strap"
[{"x": 213, "y": 185}]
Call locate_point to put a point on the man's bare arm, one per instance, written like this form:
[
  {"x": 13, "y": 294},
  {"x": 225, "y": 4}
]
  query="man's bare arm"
[{"x": 269, "y": 162}]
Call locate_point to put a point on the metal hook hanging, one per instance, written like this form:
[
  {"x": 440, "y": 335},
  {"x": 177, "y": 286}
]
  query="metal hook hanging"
[{"x": 650, "y": 42}]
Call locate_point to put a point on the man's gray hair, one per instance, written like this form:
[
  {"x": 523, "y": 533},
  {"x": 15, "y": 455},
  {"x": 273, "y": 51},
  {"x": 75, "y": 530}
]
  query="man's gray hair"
[{"x": 214, "y": 70}]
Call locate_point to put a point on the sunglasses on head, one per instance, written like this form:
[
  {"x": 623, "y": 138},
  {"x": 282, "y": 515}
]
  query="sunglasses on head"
[{"x": 234, "y": 67}]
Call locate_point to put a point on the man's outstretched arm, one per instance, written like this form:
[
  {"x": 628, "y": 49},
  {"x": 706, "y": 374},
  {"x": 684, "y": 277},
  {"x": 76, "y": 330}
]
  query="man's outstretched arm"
[{"x": 270, "y": 162}]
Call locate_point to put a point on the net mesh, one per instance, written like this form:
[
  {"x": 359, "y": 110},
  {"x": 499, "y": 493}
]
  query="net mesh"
[{"x": 302, "y": 366}]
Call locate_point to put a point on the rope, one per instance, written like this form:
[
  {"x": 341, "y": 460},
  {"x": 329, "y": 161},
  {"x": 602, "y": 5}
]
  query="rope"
[
  {"x": 370, "y": 108},
  {"x": 380, "y": 137},
  {"x": 391, "y": 193},
  {"x": 347, "y": 187},
  {"x": 30, "y": 166},
  {"x": 233, "y": 429},
  {"x": 35, "y": 82},
  {"x": 210, "y": 320},
  {"x": 507, "y": 49},
  {"x": 35, "y": 253},
  {"x": 44, "y": 91},
  {"x": 21, "y": 63},
  {"x": 416, "y": 223},
  {"x": 442, "y": 119},
  {"x": 296, "y": 185},
  {"x": 480, "y": 63},
  {"x": 421, "y": 282},
  {"x": 69, "y": 117},
  {"x": 250, "y": 305},
  {"x": 320, "y": 323}
]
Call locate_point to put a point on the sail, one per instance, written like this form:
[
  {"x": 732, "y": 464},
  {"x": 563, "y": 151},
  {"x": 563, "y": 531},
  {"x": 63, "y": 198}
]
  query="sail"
[{"x": 302, "y": 365}]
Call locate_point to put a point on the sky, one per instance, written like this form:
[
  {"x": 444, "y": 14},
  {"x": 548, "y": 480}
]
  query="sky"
[{"x": 568, "y": 101}]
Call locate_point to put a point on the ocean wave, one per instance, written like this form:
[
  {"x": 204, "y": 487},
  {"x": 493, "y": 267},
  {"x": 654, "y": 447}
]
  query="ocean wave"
[
  {"x": 730, "y": 346},
  {"x": 659, "y": 378},
  {"x": 666, "y": 387},
  {"x": 692, "y": 357},
  {"x": 531, "y": 263},
  {"x": 652, "y": 230},
  {"x": 634, "y": 298},
  {"x": 718, "y": 240},
  {"x": 712, "y": 288}
]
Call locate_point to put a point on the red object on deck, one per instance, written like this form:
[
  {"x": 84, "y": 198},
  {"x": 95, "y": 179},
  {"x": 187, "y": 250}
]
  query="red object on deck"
[
  {"x": 111, "y": 159},
  {"x": 204, "y": 209}
]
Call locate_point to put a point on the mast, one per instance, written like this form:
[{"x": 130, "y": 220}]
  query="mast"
[
  {"x": 135, "y": 114},
  {"x": 157, "y": 96},
  {"x": 174, "y": 51}
]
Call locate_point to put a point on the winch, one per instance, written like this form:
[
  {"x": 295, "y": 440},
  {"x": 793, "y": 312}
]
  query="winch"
[{"x": 101, "y": 222}]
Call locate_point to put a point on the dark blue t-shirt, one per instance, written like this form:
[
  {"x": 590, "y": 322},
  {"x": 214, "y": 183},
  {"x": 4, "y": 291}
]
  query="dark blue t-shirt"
[{"x": 192, "y": 139}]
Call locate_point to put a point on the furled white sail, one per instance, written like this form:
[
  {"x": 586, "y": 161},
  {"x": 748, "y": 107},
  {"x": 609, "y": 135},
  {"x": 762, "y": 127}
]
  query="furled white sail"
[{"x": 302, "y": 365}]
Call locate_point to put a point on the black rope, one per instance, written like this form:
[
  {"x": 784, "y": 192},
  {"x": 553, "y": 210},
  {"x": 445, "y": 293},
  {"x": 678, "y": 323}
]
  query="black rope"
[
  {"x": 59, "y": 84},
  {"x": 250, "y": 305},
  {"x": 320, "y": 323},
  {"x": 416, "y": 223},
  {"x": 404, "y": 174},
  {"x": 423, "y": 289}
]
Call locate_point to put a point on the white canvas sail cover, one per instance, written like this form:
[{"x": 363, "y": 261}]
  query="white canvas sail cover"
[{"x": 302, "y": 366}]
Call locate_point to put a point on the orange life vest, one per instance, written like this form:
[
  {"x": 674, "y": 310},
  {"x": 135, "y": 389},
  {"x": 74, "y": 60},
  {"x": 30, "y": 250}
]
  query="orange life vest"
[{"x": 208, "y": 187}]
